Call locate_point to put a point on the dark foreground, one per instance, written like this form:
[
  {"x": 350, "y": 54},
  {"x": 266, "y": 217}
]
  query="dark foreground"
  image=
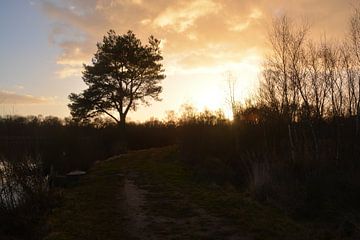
[{"x": 150, "y": 194}]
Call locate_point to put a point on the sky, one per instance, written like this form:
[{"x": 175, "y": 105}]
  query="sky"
[{"x": 44, "y": 43}]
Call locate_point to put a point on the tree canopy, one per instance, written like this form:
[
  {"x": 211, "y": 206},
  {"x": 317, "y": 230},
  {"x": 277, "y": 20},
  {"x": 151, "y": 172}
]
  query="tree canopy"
[{"x": 124, "y": 73}]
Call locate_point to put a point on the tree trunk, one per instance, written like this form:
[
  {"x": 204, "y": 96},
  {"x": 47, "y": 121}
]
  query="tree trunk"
[
  {"x": 292, "y": 148},
  {"x": 337, "y": 141},
  {"x": 357, "y": 129},
  {"x": 123, "y": 144},
  {"x": 315, "y": 141},
  {"x": 122, "y": 124},
  {"x": 235, "y": 127}
]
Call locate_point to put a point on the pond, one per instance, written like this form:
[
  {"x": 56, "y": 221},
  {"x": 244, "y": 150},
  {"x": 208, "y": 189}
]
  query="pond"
[
  {"x": 10, "y": 191},
  {"x": 15, "y": 178}
]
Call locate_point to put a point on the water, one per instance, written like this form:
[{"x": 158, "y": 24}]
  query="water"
[
  {"x": 10, "y": 191},
  {"x": 16, "y": 177},
  {"x": 13, "y": 181}
]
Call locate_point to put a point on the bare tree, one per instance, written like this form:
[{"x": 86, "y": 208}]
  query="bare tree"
[
  {"x": 355, "y": 45},
  {"x": 284, "y": 73},
  {"x": 319, "y": 87},
  {"x": 231, "y": 82},
  {"x": 348, "y": 67}
]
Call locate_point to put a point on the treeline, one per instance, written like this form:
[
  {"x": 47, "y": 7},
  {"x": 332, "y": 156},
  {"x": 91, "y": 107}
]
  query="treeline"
[
  {"x": 65, "y": 145},
  {"x": 307, "y": 79}
]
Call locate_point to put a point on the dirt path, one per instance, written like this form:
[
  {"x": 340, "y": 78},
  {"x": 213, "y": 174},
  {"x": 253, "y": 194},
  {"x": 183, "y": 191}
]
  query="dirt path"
[
  {"x": 145, "y": 222},
  {"x": 134, "y": 203}
]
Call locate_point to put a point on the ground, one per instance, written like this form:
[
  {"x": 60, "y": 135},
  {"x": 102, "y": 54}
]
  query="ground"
[{"x": 152, "y": 194}]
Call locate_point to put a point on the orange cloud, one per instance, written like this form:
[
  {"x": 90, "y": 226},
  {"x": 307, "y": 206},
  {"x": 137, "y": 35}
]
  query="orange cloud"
[
  {"x": 191, "y": 28},
  {"x": 73, "y": 57},
  {"x": 181, "y": 16},
  {"x": 238, "y": 25},
  {"x": 7, "y": 97}
]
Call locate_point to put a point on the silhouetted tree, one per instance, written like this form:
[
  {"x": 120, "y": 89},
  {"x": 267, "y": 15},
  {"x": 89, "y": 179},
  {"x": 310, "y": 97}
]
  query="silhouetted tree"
[
  {"x": 123, "y": 74},
  {"x": 355, "y": 50},
  {"x": 231, "y": 82},
  {"x": 284, "y": 66},
  {"x": 284, "y": 71}
]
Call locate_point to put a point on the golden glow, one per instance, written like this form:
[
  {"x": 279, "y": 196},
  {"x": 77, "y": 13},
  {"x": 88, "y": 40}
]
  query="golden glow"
[
  {"x": 201, "y": 41},
  {"x": 181, "y": 17},
  {"x": 212, "y": 93}
]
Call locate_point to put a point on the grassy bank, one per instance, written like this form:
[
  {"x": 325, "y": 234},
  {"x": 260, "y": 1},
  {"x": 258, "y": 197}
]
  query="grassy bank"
[
  {"x": 90, "y": 208},
  {"x": 93, "y": 208}
]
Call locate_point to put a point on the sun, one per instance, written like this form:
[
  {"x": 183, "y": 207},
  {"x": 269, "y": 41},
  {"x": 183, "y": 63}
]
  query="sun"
[
  {"x": 213, "y": 94},
  {"x": 213, "y": 98}
]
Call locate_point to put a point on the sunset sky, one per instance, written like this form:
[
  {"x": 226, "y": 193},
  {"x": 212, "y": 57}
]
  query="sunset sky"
[{"x": 44, "y": 43}]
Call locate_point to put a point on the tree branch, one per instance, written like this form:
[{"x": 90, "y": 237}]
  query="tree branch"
[{"x": 109, "y": 114}]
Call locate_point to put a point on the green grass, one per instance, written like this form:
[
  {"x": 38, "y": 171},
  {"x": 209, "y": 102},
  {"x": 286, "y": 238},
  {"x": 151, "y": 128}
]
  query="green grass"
[{"x": 92, "y": 209}]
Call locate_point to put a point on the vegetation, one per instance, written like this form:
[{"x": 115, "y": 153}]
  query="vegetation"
[
  {"x": 24, "y": 198},
  {"x": 66, "y": 145},
  {"x": 286, "y": 167},
  {"x": 123, "y": 74},
  {"x": 296, "y": 146},
  {"x": 91, "y": 208},
  {"x": 173, "y": 193}
]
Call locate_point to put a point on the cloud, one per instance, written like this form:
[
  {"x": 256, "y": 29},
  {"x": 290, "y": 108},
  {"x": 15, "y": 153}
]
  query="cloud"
[
  {"x": 181, "y": 16},
  {"x": 7, "y": 97},
  {"x": 198, "y": 33},
  {"x": 69, "y": 71},
  {"x": 74, "y": 55},
  {"x": 239, "y": 24},
  {"x": 18, "y": 86}
]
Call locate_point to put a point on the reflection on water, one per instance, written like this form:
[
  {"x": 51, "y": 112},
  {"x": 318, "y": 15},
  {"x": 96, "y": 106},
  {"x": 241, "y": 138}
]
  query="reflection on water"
[
  {"x": 10, "y": 191},
  {"x": 17, "y": 177}
]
